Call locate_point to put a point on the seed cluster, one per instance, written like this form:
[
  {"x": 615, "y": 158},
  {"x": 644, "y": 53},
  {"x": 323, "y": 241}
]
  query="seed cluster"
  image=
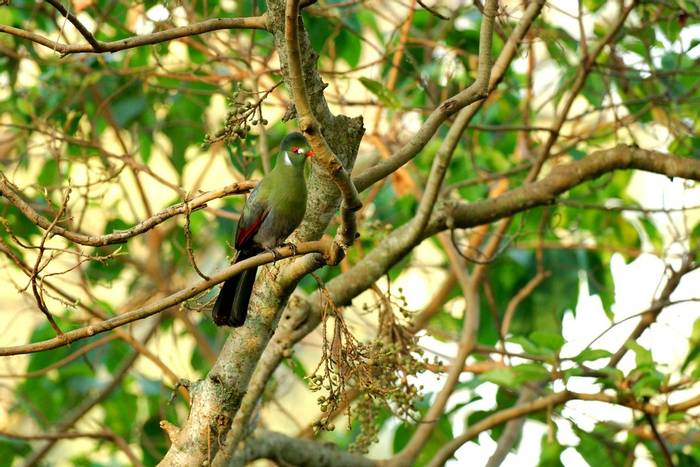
[
  {"x": 243, "y": 114},
  {"x": 380, "y": 370}
]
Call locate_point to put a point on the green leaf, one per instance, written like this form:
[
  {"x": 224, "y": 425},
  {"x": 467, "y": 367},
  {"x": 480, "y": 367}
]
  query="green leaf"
[
  {"x": 11, "y": 448},
  {"x": 548, "y": 340},
  {"x": 612, "y": 378},
  {"x": 550, "y": 455},
  {"x": 385, "y": 96},
  {"x": 594, "y": 5},
  {"x": 184, "y": 125},
  {"x": 530, "y": 347},
  {"x": 595, "y": 450},
  {"x": 530, "y": 372},
  {"x": 348, "y": 46},
  {"x": 648, "y": 385},
  {"x": 49, "y": 176},
  {"x": 145, "y": 146},
  {"x": 120, "y": 409},
  {"x": 643, "y": 356},
  {"x": 128, "y": 109},
  {"x": 592, "y": 354},
  {"x": 594, "y": 89},
  {"x": 501, "y": 376},
  {"x": 441, "y": 435},
  {"x": 694, "y": 347}
]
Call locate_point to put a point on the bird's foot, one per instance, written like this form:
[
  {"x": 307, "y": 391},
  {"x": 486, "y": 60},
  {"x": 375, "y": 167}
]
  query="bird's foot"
[
  {"x": 292, "y": 246},
  {"x": 275, "y": 254}
]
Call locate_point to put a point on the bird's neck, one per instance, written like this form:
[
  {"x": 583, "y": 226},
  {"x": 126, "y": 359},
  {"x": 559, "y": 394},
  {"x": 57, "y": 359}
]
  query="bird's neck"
[{"x": 286, "y": 164}]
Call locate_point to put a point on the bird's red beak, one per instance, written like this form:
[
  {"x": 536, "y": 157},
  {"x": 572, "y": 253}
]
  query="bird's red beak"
[{"x": 309, "y": 153}]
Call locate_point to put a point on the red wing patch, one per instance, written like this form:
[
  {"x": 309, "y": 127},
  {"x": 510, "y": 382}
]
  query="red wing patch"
[{"x": 246, "y": 234}]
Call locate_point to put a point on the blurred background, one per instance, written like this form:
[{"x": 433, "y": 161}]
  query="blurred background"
[{"x": 136, "y": 131}]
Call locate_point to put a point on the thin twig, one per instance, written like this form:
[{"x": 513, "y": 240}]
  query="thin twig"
[
  {"x": 432, "y": 11},
  {"x": 659, "y": 440},
  {"x": 35, "y": 272},
  {"x": 188, "y": 241}
]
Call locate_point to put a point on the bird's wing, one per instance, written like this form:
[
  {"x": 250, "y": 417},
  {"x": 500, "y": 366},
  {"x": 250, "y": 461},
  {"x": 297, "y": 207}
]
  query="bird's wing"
[{"x": 254, "y": 213}]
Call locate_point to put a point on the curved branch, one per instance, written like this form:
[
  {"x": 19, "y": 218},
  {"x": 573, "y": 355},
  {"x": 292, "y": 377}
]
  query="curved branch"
[
  {"x": 198, "y": 202},
  {"x": 312, "y": 129},
  {"x": 551, "y": 400},
  {"x": 467, "y": 97},
  {"x": 464, "y": 215},
  {"x": 215, "y": 24},
  {"x": 561, "y": 179},
  {"x": 167, "y": 302}
]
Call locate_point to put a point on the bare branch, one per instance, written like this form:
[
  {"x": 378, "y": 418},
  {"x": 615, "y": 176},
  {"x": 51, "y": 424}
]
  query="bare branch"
[
  {"x": 75, "y": 22},
  {"x": 167, "y": 302},
  {"x": 649, "y": 316},
  {"x": 215, "y": 24},
  {"x": 546, "y": 402},
  {"x": 563, "y": 178},
  {"x": 311, "y": 128},
  {"x": 285, "y": 450},
  {"x": 581, "y": 76},
  {"x": 198, "y": 202},
  {"x": 469, "y": 96}
]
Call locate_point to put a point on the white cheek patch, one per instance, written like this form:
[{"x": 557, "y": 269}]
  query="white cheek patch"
[{"x": 287, "y": 160}]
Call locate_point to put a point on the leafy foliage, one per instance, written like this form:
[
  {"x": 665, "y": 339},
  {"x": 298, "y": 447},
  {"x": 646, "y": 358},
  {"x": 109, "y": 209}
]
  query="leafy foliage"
[{"x": 142, "y": 129}]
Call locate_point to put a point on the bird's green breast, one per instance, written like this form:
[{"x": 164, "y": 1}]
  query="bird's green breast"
[{"x": 285, "y": 189}]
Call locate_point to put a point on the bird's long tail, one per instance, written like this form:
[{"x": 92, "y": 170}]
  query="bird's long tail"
[{"x": 231, "y": 307}]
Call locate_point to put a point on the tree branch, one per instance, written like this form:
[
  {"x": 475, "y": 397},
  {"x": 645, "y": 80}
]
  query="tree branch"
[
  {"x": 167, "y": 302},
  {"x": 561, "y": 179},
  {"x": 552, "y": 400},
  {"x": 469, "y": 96},
  {"x": 285, "y": 450},
  {"x": 461, "y": 214},
  {"x": 215, "y": 24},
  {"x": 311, "y": 128},
  {"x": 650, "y": 315},
  {"x": 198, "y": 202}
]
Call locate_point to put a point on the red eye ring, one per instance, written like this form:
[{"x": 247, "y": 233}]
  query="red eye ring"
[{"x": 295, "y": 149}]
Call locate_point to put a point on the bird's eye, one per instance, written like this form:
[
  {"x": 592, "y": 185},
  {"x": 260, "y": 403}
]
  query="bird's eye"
[{"x": 295, "y": 149}]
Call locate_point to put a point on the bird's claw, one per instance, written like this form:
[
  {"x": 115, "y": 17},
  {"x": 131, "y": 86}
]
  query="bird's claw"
[
  {"x": 292, "y": 246},
  {"x": 275, "y": 255}
]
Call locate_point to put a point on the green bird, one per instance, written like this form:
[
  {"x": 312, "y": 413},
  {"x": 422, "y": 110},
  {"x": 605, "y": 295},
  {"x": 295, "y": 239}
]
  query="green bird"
[{"x": 272, "y": 211}]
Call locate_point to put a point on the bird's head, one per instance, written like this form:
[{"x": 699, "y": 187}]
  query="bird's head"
[{"x": 296, "y": 147}]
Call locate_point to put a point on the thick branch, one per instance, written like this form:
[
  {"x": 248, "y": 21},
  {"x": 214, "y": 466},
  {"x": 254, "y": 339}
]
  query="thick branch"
[
  {"x": 462, "y": 214},
  {"x": 285, "y": 450},
  {"x": 563, "y": 178},
  {"x": 217, "y": 398}
]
